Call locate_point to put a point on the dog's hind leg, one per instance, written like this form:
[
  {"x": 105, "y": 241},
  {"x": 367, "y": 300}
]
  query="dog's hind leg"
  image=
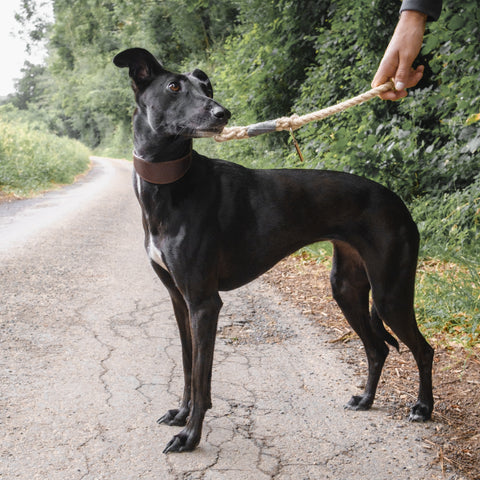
[
  {"x": 396, "y": 310},
  {"x": 391, "y": 270},
  {"x": 179, "y": 416},
  {"x": 350, "y": 288}
]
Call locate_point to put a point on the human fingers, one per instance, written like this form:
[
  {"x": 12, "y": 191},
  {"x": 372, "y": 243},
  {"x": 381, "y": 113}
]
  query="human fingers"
[{"x": 407, "y": 77}]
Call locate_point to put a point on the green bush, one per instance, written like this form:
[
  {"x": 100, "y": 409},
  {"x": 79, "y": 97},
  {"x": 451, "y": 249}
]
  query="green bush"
[
  {"x": 449, "y": 223},
  {"x": 32, "y": 159}
]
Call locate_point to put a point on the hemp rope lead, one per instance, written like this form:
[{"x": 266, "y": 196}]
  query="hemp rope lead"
[{"x": 294, "y": 122}]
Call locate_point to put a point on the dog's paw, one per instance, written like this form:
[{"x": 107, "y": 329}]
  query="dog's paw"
[
  {"x": 420, "y": 412},
  {"x": 174, "y": 445},
  {"x": 359, "y": 402},
  {"x": 183, "y": 442},
  {"x": 177, "y": 417}
]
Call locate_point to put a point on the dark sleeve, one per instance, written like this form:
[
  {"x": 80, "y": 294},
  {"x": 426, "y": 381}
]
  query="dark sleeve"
[{"x": 430, "y": 7}]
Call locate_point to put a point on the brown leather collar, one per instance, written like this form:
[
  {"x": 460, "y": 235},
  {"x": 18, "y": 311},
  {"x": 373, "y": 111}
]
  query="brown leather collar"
[{"x": 162, "y": 173}]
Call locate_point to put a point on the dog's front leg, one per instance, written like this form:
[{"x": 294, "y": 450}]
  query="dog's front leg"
[
  {"x": 203, "y": 324},
  {"x": 178, "y": 416}
]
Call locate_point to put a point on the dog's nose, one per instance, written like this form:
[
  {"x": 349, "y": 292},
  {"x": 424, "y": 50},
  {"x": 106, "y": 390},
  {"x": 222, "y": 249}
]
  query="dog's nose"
[{"x": 221, "y": 113}]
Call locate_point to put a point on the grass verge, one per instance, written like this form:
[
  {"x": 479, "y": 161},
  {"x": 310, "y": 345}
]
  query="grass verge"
[{"x": 33, "y": 160}]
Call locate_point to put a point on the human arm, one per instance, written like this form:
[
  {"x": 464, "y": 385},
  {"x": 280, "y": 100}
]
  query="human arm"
[{"x": 405, "y": 46}]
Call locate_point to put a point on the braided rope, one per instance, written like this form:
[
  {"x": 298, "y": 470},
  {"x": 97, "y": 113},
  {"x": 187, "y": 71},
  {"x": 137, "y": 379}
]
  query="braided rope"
[{"x": 294, "y": 121}]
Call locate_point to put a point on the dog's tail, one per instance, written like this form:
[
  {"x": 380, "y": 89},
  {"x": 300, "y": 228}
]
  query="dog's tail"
[
  {"x": 378, "y": 326},
  {"x": 390, "y": 339}
]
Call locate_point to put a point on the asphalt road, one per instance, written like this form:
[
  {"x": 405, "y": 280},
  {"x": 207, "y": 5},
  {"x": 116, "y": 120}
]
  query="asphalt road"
[{"x": 90, "y": 358}]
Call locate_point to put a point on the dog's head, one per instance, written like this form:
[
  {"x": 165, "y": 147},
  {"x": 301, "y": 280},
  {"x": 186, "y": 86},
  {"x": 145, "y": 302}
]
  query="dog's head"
[{"x": 172, "y": 104}]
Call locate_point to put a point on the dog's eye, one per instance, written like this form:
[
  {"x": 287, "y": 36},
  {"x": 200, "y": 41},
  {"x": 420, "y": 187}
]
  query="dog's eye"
[{"x": 174, "y": 87}]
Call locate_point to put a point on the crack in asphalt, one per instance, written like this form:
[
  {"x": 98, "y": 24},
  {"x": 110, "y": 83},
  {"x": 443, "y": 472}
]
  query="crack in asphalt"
[{"x": 104, "y": 367}]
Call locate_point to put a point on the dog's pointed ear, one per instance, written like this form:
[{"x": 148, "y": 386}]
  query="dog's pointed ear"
[
  {"x": 204, "y": 81},
  {"x": 143, "y": 67}
]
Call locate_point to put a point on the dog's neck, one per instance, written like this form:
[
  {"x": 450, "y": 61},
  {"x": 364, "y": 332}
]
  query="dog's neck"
[
  {"x": 154, "y": 147},
  {"x": 165, "y": 149}
]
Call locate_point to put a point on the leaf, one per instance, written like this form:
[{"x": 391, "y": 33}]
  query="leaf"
[
  {"x": 474, "y": 144},
  {"x": 475, "y": 117},
  {"x": 431, "y": 44},
  {"x": 457, "y": 22}
]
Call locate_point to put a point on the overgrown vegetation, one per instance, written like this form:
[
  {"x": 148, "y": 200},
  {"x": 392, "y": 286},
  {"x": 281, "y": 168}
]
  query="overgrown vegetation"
[
  {"x": 273, "y": 58},
  {"x": 32, "y": 159}
]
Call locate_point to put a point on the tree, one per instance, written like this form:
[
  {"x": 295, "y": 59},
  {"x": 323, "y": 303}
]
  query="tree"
[{"x": 30, "y": 87}]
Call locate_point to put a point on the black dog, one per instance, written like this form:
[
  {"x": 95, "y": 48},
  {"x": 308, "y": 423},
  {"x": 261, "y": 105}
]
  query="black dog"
[{"x": 211, "y": 225}]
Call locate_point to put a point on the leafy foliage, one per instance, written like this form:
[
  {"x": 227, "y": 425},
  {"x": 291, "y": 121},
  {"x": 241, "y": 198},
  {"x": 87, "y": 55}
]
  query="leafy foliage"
[
  {"x": 32, "y": 158},
  {"x": 450, "y": 222}
]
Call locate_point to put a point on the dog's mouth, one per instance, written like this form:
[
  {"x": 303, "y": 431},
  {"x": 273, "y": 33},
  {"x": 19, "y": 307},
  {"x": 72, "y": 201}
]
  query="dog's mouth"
[
  {"x": 202, "y": 122},
  {"x": 200, "y": 132}
]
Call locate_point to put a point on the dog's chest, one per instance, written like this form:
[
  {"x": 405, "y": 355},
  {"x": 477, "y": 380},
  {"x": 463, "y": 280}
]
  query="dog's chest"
[
  {"x": 152, "y": 242},
  {"x": 154, "y": 253}
]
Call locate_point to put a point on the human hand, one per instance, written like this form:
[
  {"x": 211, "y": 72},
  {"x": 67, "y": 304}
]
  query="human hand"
[{"x": 402, "y": 50}]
